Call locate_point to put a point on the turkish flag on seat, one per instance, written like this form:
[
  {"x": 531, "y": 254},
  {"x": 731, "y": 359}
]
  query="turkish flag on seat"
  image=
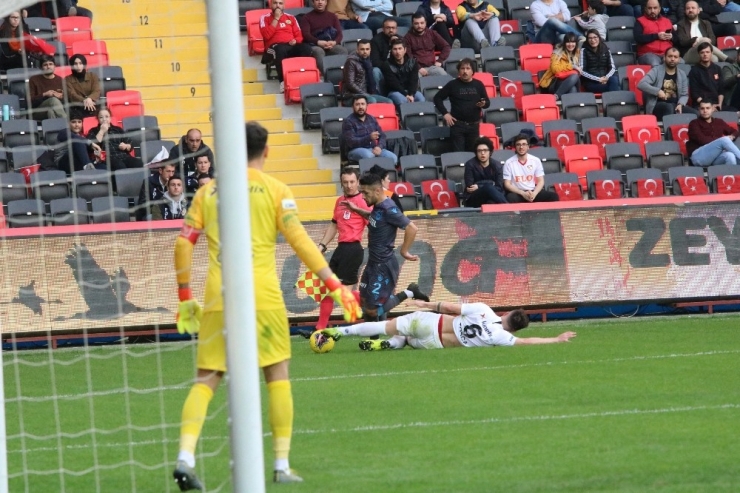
[
  {"x": 692, "y": 185},
  {"x": 728, "y": 184},
  {"x": 443, "y": 199},
  {"x": 568, "y": 191},
  {"x": 649, "y": 188},
  {"x": 607, "y": 189}
]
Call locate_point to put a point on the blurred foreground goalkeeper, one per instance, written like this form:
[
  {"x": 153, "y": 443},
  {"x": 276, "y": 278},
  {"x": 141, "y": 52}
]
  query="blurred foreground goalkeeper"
[{"x": 273, "y": 211}]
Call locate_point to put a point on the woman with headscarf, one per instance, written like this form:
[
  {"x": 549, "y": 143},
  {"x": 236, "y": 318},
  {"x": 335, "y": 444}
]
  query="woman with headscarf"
[
  {"x": 114, "y": 142},
  {"x": 83, "y": 87},
  {"x": 16, "y": 42},
  {"x": 598, "y": 72},
  {"x": 562, "y": 77}
]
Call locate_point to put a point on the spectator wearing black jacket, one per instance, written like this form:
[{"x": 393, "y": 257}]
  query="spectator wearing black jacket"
[
  {"x": 186, "y": 152},
  {"x": 705, "y": 79},
  {"x": 152, "y": 190},
  {"x": 401, "y": 75},
  {"x": 441, "y": 21},
  {"x": 484, "y": 178},
  {"x": 380, "y": 48},
  {"x": 709, "y": 11},
  {"x": 467, "y": 98}
]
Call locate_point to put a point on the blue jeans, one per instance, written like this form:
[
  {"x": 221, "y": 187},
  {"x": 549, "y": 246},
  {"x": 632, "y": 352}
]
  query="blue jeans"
[
  {"x": 375, "y": 21},
  {"x": 720, "y": 151},
  {"x": 625, "y": 9},
  {"x": 553, "y": 31},
  {"x": 399, "y": 99},
  {"x": 612, "y": 84},
  {"x": 363, "y": 152},
  {"x": 487, "y": 193},
  {"x": 731, "y": 7},
  {"x": 567, "y": 85},
  {"x": 347, "y": 24}
]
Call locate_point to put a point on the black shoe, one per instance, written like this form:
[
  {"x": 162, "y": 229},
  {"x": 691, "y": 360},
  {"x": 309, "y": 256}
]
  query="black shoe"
[
  {"x": 417, "y": 295},
  {"x": 305, "y": 333},
  {"x": 185, "y": 477}
]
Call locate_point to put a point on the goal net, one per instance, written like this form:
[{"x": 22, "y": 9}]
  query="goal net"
[{"x": 95, "y": 373}]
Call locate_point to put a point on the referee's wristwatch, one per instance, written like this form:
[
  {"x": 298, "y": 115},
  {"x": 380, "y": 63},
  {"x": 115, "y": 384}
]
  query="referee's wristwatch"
[{"x": 323, "y": 247}]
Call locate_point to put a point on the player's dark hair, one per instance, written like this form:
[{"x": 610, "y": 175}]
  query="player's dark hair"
[
  {"x": 370, "y": 180},
  {"x": 485, "y": 141},
  {"x": 379, "y": 170},
  {"x": 349, "y": 170},
  {"x": 703, "y": 46},
  {"x": 256, "y": 140},
  {"x": 466, "y": 61},
  {"x": 518, "y": 320}
]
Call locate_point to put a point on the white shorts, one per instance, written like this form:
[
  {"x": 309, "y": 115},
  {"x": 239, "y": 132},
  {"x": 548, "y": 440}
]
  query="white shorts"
[{"x": 421, "y": 329}]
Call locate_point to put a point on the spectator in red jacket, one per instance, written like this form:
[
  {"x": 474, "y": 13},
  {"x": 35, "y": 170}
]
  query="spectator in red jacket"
[
  {"x": 283, "y": 38},
  {"x": 422, "y": 43},
  {"x": 653, "y": 35},
  {"x": 321, "y": 29}
]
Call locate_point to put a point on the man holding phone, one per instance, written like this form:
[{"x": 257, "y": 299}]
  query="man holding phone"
[
  {"x": 467, "y": 98},
  {"x": 653, "y": 34}
]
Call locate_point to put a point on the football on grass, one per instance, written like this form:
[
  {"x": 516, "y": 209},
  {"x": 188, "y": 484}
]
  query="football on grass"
[{"x": 321, "y": 343}]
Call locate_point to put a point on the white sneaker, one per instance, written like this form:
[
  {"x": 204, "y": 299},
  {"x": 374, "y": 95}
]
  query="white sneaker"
[
  {"x": 286, "y": 476},
  {"x": 485, "y": 43},
  {"x": 282, "y": 87}
]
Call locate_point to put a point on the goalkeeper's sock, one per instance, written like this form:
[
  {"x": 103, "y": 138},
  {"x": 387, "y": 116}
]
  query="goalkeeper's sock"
[
  {"x": 280, "y": 398},
  {"x": 193, "y": 415},
  {"x": 365, "y": 329},
  {"x": 325, "y": 309}
]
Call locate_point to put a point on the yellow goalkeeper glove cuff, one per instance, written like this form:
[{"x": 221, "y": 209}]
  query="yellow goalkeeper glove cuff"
[
  {"x": 188, "y": 313},
  {"x": 345, "y": 298}
]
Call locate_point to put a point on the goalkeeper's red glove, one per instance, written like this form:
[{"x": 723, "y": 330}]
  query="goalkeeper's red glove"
[
  {"x": 188, "y": 312},
  {"x": 343, "y": 295}
]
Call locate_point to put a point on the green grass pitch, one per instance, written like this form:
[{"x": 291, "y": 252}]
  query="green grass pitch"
[{"x": 642, "y": 405}]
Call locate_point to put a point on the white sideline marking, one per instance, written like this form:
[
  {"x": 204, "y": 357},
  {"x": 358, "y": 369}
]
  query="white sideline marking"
[
  {"x": 422, "y": 424},
  {"x": 505, "y": 367},
  {"x": 185, "y": 385}
]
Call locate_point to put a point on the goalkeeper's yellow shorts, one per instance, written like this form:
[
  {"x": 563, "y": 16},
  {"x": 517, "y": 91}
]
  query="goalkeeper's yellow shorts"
[{"x": 273, "y": 339}]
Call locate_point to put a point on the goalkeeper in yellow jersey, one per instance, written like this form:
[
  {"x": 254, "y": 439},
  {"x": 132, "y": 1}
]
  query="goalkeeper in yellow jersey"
[{"x": 273, "y": 210}]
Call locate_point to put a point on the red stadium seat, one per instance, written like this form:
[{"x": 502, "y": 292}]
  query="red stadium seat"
[
  {"x": 582, "y": 158},
  {"x": 512, "y": 89},
  {"x": 539, "y": 108},
  {"x": 641, "y": 129},
  {"x": 489, "y": 130},
  {"x": 122, "y": 104},
  {"x": 297, "y": 72},
  {"x": 561, "y": 138},
  {"x": 63, "y": 71},
  {"x": 692, "y": 185},
  {"x": 635, "y": 73},
  {"x": 73, "y": 29},
  {"x": 568, "y": 191},
  {"x": 680, "y": 134},
  {"x": 255, "y": 43},
  {"x": 649, "y": 188},
  {"x": 487, "y": 80},
  {"x": 535, "y": 58},
  {"x": 88, "y": 123},
  {"x": 438, "y": 195},
  {"x": 729, "y": 44},
  {"x": 385, "y": 113},
  {"x": 95, "y": 52}
]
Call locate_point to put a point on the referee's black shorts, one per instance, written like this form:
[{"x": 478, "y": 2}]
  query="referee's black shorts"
[{"x": 346, "y": 262}]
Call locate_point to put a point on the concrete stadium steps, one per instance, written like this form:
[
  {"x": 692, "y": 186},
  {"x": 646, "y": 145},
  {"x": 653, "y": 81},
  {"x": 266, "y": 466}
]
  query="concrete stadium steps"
[
  {"x": 315, "y": 209},
  {"x": 322, "y": 190},
  {"x": 185, "y": 91},
  {"x": 305, "y": 177},
  {"x": 163, "y": 49}
]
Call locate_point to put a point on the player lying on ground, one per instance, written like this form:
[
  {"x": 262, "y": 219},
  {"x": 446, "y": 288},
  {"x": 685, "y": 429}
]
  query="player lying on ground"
[{"x": 450, "y": 325}]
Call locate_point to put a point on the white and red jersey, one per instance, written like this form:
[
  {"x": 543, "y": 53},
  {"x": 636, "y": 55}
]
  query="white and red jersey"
[
  {"x": 523, "y": 175},
  {"x": 478, "y": 325},
  {"x": 350, "y": 225}
]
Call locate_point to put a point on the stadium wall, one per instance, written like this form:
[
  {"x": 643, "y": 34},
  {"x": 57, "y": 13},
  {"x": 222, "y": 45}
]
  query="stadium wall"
[{"x": 72, "y": 278}]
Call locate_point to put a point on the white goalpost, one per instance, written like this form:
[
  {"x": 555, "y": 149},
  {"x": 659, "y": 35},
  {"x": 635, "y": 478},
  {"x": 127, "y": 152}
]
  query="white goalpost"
[{"x": 132, "y": 394}]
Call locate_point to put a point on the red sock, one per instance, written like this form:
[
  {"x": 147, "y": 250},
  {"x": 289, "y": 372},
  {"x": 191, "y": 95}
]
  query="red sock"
[{"x": 325, "y": 309}]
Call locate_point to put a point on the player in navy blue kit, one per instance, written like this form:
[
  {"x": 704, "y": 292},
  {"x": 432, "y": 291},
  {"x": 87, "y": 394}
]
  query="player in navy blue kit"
[{"x": 380, "y": 276}]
